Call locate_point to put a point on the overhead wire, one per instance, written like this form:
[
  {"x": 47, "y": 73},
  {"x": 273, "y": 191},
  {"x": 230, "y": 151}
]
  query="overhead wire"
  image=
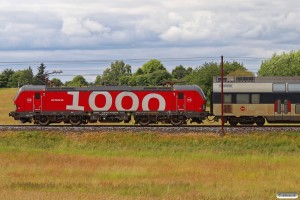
[{"x": 100, "y": 69}]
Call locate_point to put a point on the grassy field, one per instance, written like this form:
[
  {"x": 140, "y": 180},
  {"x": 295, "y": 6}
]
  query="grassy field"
[
  {"x": 50, "y": 165},
  {"x": 7, "y": 105},
  {"x": 40, "y": 165}
]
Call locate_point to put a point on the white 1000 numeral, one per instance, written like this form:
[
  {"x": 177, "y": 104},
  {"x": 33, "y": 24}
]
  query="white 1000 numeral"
[{"x": 118, "y": 103}]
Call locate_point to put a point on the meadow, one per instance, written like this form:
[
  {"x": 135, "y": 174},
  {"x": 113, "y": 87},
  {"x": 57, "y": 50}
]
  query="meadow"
[
  {"x": 127, "y": 165},
  {"x": 7, "y": 105}
]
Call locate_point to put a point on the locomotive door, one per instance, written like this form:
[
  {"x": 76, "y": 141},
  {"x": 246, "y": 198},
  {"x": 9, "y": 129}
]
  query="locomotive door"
[
  {"x": 180, "y": 101},
  {"x": 37, "y": 103},
  {"x": 282, "y": 108}
]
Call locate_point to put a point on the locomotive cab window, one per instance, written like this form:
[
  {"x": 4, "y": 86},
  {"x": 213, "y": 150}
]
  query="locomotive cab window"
[
  {"x": 37, "y": 96},
  {"x": 180, "y": 95}
]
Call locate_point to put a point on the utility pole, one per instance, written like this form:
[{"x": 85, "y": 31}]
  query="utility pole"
[{"x": 222, "y": 96}]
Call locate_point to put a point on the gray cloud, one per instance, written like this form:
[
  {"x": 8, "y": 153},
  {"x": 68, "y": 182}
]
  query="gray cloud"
[{"x": 170, "y": 22}]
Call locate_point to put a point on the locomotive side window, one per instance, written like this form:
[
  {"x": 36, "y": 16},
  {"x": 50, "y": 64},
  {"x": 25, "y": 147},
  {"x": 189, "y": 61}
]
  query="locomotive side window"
[
  {"x": 180, "y": 95},
  {"x": 242, "y": 98},
  {"x": 255, "y": 98},
  {"x": 227, "y": 98},
  {"x": 37, "y": 96},
  {"x": 279, "y": 87}
]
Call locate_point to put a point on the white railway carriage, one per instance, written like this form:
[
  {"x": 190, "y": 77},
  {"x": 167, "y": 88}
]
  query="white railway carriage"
[{"x": 253, "y": 100}]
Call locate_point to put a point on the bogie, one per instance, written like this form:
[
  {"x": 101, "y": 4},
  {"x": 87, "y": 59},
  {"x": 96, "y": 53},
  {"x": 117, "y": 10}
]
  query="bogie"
[
  {"x": 43, "y": 120},
  {"x": 75, "y": 120}
]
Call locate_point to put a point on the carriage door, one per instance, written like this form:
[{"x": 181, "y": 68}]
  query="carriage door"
[
  {"x": 180, "y": 101},
  {"x": 282, "y": 108},
  {"x": 37, "y": 105}
]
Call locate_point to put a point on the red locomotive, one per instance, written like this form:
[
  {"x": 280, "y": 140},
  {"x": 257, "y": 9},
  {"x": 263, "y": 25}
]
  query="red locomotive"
[{"x": 80, "y": 105}]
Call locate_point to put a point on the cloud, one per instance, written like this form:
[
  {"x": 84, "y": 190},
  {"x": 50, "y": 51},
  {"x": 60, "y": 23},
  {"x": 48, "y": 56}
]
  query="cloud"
[
  {"x": 130, "y": 24},
  {"x": 200, "y": 27},
  {"x": 77, "y": 27}
]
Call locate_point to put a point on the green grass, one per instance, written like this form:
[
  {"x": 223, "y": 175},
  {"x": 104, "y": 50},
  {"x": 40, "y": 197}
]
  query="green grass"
[
  {"x": 112, "y": 143},
  {"x": 51, "y": 165},
  {"x": 7, "y": 105}
]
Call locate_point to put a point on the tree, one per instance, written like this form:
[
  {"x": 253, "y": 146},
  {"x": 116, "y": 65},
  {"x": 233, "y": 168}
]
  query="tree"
[
  {"x": 189, "y": 70},
  {"x": 77, "y": 81},
  {"x": 41, "y": 78},
  {"x": 98, "y": 80},
  {"x": 20, "y": 78},
  {"x": 116, "y": 72},
  {"x": 56, "y": 82},
  {"x": 124, "y": 80},
  {"x": 139, "y": 72},
  {"x": 159, "y": 77},
  {"x": 13, "y": 81},
  {"x": 203, "y": 75},
  {"x": 4, "y": 77},
  {"x": 286, "y": 64},
  {"x": 240, "y": 72},
  {"x": 139, "y": 80},
  {"x": 152, "y": 66},
  {"x": 179, "y": 72},
  {"x": 152, "y": 73},
  {"x": 27, "y": 76}
]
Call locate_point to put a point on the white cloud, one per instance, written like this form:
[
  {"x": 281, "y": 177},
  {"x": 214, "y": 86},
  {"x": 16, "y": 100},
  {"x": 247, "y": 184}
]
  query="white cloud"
[
  {"x": 199, "y": 27},
  {"x": 71, "y": 26},
  {"x": 77, "y": 27},
  {"x": 250, "y": 26}
]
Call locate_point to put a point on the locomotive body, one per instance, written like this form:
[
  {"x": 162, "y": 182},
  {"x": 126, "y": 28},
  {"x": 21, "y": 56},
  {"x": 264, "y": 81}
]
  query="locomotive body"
[
  {"x": 45, "y": 105},
  {"x": 254, "y": 100}
]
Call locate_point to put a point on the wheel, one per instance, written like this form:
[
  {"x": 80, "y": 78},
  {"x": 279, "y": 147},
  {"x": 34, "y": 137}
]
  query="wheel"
[
  {"x": 176, "y": 120},
  {"x": 144, "y": 121},
  {"x": 233, "y": 121},
  {"x": 44, "y": 120},
  {"x": 260, "y": 121},
  {"x": 75, "y": 120}
]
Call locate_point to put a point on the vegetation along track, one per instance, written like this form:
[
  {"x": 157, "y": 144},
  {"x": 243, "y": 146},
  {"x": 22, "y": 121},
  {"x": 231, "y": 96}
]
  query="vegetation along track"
[{"x": 159, "y": 128}]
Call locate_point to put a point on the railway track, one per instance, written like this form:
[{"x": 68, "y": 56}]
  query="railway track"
[{"x": 152, "y": 128}]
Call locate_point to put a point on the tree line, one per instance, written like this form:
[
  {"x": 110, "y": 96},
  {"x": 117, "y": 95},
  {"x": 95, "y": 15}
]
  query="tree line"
[{"x": 154, "y": 73}]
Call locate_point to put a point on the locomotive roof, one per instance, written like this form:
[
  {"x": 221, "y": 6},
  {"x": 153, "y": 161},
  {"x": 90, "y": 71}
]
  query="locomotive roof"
[
  {"x": 109, "y": 88},
  {"x": 112, "y": 88}
]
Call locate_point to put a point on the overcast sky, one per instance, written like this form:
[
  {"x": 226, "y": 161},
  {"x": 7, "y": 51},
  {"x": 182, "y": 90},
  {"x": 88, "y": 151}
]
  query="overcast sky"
[{"x": 100, "y": 31}]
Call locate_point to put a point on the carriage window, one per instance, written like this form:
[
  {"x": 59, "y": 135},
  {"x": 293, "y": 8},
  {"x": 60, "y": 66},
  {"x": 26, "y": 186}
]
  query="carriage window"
[
  {"x": 293, "y": 87},
  {"x": 227, "y": 98},
  {"x": 279, "y": 87},
  {"x": 297, "y": 111},
  {"x": 242, "y": 98},
  {"x": 255, "y": 98},
  {"x": 180, "y": 95},
  {"x": 37, "y": 96}
]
